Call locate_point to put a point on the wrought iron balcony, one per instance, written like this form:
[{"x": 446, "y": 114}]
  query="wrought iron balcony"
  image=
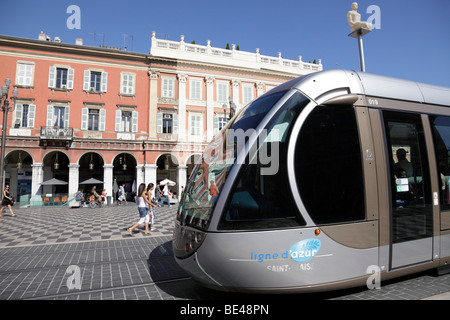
[{"x": 56, "y": 137}]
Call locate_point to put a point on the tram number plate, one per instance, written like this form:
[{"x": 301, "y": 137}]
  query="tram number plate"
[{"x": 373, "y": 102}]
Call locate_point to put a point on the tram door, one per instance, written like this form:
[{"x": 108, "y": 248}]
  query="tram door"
[{"x": 411, "y": 216}]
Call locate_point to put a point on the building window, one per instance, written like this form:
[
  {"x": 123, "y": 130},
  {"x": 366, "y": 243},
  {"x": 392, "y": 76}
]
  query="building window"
[
  {"x": 195, "y": 88},
  {"x": 126, "y": 121},
  {"x": 196, "y": 124},
  {"x": 93, "y": 119},
  {"x": 247, "y": 94},
  {"x": 25, "y": 72},
  {"x": 95, "y": 81},
  {"x": 168, "y": 88},
  {"x": 60, "y": 78},
  {"x": 127, "y": 83},
  {"x": 24, "y": 115},
  {"x": 167, "y": 123},
  {"x": 222, "y": 92},
  {"x": 58, "y": 116}
]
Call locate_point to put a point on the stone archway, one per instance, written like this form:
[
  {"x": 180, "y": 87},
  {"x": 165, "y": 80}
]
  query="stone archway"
[
  {"x": 124, "y": 172},
  {"x": 56, "y": 165},
  {"x": 18, "y": 174}
]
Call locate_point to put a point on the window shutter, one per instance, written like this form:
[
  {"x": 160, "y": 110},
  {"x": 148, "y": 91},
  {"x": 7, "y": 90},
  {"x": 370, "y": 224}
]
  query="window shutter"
[
  {"x": 159, "y": 123},
  {"x": 66, "y": 117},
  {"x": 86, "y": 82},
  {"x": 131, "y": 84},
  {"x": 118, "y": 121},
  {"x": 175, "y": 124},
  {"x": 21, "y": 74},
  {"x": 164, "y": 88},
  {"x": 104, "y": 84},
  {"x": 134, "y": 121},
  {"x": 102, "y": 122},
  {"x": 124, "y": 83},
  {"x": 52, "y": 77},
  {"x": 18, "y": 115},
  {"x": 84, "y": 118},
  {"x": 49, "y": 116},
  {"x": 70, "y": 78},
  {"x": 215, "y": 125},
  {"x": 31, "y": 115}
]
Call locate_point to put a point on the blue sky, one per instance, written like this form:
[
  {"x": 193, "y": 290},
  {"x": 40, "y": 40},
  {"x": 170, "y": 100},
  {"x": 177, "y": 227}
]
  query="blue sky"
[{"x": 413, "y": 42}]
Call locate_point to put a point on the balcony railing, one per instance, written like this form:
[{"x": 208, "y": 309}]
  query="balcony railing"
[
  {"x": 56, "y": 137},
  {"x": 181, "y": 49},
  {"x": 54, "y": 133}
]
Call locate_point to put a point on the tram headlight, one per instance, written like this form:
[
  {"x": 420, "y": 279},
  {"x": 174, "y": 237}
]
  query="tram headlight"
[
  {"x": 187, "y": 240},
  {"x": 199, "y": 237}
]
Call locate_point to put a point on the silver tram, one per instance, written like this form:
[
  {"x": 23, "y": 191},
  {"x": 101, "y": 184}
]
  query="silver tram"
[{"x": 320, "y": 184}]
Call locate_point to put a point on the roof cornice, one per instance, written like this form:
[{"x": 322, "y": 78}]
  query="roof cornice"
[{"x": 41, "y": 45}]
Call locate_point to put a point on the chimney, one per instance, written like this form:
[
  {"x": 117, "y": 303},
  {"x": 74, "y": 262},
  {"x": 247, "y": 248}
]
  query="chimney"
[{"x": 42, "y": 36}]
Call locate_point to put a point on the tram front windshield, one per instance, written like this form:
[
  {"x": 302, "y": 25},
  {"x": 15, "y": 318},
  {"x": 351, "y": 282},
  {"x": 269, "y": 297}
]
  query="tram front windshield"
[{"x": 210, "y": 173}]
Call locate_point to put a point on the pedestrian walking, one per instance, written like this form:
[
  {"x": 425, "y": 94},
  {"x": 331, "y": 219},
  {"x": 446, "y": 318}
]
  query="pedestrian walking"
[
  {"x": 165, "y": 196},
  {"x": 151, "y": 206},
  {"x": 144, "y": 214},
  {"x": 7, "y": 202},
  {"x": 122, "y": 194},
  {"x": 157, "y": 193}
]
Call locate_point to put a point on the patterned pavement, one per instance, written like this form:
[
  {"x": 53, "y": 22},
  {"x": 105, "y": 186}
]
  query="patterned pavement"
[
  {"x": 60, "y": 224},
  {"x": 39, "y": 244}
]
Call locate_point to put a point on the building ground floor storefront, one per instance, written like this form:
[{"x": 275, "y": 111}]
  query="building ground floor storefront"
[{"x": 28, "y": 166}]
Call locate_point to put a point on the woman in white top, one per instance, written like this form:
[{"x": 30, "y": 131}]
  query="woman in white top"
[{"x": 142, "y": 202}]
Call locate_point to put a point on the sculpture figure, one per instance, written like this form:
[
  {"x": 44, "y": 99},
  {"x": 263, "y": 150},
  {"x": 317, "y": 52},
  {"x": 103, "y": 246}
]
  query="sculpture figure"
[{"x": 354, "y": 19}]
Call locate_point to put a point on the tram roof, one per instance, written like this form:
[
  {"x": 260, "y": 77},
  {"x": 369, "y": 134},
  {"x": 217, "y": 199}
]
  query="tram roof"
[{"x": 318, "y": 84}]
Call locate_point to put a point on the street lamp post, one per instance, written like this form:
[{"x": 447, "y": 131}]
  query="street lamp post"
[{"x": 4, "y": 103}]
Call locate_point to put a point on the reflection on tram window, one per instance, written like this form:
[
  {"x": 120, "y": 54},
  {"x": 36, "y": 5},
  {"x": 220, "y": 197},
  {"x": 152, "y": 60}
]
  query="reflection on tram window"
[
  {"x": 259, "y": 201},
  {"x": 216, "y": 162},
  {"x": 328, "y": 166},
  {"x": 441, "y": 136}
]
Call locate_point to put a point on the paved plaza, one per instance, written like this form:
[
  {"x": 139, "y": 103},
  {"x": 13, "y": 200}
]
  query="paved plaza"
[
  {"x": 40, "y": 247},
  {"x": 60, "y": 224}
]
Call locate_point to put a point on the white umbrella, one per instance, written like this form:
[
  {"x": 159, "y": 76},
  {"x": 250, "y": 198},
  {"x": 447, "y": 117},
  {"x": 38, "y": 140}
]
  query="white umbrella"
[{"x": 169, "y": 182}]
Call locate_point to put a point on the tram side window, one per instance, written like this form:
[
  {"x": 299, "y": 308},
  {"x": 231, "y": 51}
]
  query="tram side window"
[
  {"x": 328, "y": 166},
  {"x": 441, "y": 136},
  {"x": 261, "y": 198}
]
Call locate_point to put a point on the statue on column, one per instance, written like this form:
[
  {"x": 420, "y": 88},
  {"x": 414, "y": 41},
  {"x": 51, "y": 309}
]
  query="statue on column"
[{"x": 354, "y": 19}]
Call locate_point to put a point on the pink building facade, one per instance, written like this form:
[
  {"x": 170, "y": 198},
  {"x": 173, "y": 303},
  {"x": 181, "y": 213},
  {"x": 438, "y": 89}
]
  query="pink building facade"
[{"x": 122, "y": 117}]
